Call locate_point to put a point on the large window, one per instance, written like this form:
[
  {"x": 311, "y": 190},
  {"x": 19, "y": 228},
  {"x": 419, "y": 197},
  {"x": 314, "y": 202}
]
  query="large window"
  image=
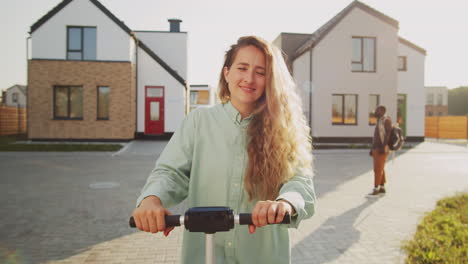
[
  {"x": 344, "y": 109},
  {"x": 103, "y": 103},
  {"x": 430, "y": 99},
  {"x": 363, "y": 57},
  {"x": 374, "y": 101},
  {"x": 68, "y": 102},
  {"x": 81, "y": 43},
  {"x": 402, "y": 63},
  {"x": 440, "y": 100}
]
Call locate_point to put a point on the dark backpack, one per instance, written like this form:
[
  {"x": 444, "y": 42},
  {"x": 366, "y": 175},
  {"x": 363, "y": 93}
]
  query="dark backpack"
[{"x": 396, "y": 140}]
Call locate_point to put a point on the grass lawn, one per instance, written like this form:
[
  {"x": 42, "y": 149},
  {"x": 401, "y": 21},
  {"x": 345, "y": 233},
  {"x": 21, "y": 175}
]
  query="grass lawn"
[
  {"x": 8, "y": 143},
  {"x": 442, "y": 236}
]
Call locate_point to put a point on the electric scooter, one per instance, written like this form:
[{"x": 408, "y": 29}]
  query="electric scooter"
[{"x": 209, "y": 220}]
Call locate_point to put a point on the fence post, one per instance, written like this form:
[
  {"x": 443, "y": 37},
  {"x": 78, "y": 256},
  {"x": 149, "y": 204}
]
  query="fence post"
[
  {"x": 18, "y": 118},
  {"x": 466, "y": 127}
]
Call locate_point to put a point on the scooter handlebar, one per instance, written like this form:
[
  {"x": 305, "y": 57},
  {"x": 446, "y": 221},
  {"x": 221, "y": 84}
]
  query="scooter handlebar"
[
  {"x": 171, "y": 220},
  {"x": 246, "y": 219}
]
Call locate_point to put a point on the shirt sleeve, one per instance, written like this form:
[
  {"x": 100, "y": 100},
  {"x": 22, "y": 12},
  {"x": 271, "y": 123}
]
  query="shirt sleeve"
[
  {"x": 299, "y": 192},
  {"x": 169, "y": 180}
]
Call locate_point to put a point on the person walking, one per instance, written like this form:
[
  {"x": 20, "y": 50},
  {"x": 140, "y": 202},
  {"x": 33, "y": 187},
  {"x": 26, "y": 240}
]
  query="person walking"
[
  {"x": 252, "y": 153},
  {"x": 380, "y": 149}
]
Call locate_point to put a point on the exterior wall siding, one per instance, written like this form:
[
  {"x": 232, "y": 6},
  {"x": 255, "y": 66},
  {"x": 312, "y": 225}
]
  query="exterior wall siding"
[
  {"x": 411, "y": 83},
  {"x": 301, "y": 74},
  {"x": 50, "y": 40},
  {"x": 164, "y": 44},
  {"x": 150, "y": 73},
  {"x": 43, "y": 75},
  {"x": 331, "y": 74}
]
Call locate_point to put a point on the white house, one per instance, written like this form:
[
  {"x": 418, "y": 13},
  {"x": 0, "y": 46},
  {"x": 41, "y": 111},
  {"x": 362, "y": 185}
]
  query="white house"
[
  {"x": 15, "y": 96},
  {"x": 349, "y": 66},
  {"x": 411, "y": 94},
  {"x": 92, "y": 77},
  {"x": 436, "y": 101}
]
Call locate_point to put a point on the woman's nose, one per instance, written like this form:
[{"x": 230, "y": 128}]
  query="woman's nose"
[{"x": 248, "y": 77}]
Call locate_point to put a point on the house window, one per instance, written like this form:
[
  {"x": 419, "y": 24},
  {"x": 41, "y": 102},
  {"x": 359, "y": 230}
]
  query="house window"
[
  {"x": 14, "y": 97},
  {"x": 103, "y": 102},
  {"x": 68, "y": 102},
  {"x": 374, "y": 100},
  {"x": 199, "y": 97},
  {"x": 364, "y": 53},
  {"x": 402, "y": 63},
  {"x": 439, "y": 99},
  {"x": 430, "y": 99},
  {"x": 344, "y": 109},
  {"x": 81, "y": 43}
]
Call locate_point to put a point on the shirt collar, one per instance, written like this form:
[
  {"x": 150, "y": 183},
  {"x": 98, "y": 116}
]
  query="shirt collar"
[{"x": 235, "y": 116}]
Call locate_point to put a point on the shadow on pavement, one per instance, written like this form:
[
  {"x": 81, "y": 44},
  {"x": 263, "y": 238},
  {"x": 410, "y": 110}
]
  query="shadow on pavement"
[{"x": 333, "y": 238}]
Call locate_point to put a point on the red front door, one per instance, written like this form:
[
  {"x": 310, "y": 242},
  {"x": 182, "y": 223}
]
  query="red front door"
[{"x": 154, "y": 110}]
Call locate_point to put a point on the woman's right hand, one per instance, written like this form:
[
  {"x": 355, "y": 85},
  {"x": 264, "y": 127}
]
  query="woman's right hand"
[{"x": 149, "y": 216}]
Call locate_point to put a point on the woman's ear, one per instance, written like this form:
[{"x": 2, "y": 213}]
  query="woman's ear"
[{"x": 225, "y": 72}]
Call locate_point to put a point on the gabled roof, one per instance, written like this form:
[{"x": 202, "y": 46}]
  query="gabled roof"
[
  {"x": 64, "y": 3},
  {"x": 162, "y": 63},
  {"x": 325, "y": 29},
  {"x": 411, "y": 45},
  {"x": 106, "y": 11},
  {"x": 22, "y": 88}
]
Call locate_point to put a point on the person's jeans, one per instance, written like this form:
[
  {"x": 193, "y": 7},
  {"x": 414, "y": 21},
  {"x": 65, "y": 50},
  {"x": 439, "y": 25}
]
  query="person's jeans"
[{"x": 379, "y": 167}]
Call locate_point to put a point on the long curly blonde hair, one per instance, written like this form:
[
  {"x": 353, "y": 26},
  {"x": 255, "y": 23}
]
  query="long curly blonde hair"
[{"x": 279, "y": 143}]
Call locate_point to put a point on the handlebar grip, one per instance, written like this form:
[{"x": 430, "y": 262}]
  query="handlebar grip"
[
  {"x": 171, "y": 220},
  {"x": 246, "y": 219}
]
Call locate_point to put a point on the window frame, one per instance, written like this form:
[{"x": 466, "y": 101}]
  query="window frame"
[
  {"x": 378, "y": 103},
  {"x": 14, "y": 97},
  {"x": 431, "y": 97},
  {"x": 440, "y": 99},
  {"x": 68, "y": 103},
  {"x": 81, "y": 44},
  {"x": 343, "y": 107},
  {"x": 97, "y": 103},
  {"x": 361, "y": 62},
  {"x": 405, "y": 63}
]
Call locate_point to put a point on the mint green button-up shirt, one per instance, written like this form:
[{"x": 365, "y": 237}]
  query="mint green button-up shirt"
[{"x": 205, "y": 161}]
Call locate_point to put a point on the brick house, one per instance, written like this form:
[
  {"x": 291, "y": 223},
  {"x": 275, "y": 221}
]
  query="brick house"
[{"x": 92, "y": 78}]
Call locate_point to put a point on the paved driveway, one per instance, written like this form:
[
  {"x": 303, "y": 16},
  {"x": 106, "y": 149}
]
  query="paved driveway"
[{"x": 74, "y": 207}]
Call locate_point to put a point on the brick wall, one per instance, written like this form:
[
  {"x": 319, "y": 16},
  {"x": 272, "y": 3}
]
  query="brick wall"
[
  {"x": 435, "y": 110},
  {"x": 43, "y": 75}
]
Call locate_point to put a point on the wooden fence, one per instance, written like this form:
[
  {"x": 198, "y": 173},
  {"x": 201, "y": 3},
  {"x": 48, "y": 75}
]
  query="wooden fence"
[
  {"x": 12, "y": 120},
  {"x": 453, "y": 127}
]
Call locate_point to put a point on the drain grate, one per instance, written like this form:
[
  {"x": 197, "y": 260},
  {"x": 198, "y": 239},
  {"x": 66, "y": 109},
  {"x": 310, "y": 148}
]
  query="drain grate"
[{"x": 104, "y": 185}]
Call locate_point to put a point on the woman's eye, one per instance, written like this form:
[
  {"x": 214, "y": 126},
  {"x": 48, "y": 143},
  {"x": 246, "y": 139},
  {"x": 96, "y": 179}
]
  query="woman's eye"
[
  {"x": 261, "y": 73},
  {"x": 242, "y": 68}
]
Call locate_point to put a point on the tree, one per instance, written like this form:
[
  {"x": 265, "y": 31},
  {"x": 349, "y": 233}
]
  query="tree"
[{"x": 458, "y": 101}]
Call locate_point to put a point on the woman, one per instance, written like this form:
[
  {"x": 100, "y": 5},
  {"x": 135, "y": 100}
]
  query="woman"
[{"x": 251, "y": 153}]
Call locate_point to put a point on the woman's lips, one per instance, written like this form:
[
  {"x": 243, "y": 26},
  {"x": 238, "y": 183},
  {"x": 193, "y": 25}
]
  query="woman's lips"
[{"x": 247, "y": 89}]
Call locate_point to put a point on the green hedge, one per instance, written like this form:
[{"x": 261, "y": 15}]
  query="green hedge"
[{"x": 442, "y": 237}]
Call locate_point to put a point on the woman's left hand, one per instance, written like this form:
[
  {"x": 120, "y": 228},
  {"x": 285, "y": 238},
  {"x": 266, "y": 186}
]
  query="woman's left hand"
[{"x": 269, "y": 212}]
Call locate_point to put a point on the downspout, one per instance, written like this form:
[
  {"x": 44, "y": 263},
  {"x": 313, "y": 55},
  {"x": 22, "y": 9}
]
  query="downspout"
[
  {"x": 310, "y": 92},
  {"x": 136, "y": 85},
  {"x": 27, "y": 85}
]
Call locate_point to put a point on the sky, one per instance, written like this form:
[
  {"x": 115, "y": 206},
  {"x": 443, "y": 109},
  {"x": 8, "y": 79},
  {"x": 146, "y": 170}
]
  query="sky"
[{"x": 440, "y": 27}]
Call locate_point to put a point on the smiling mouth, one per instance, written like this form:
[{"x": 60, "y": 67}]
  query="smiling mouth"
[{"x": 247, "y": 89}]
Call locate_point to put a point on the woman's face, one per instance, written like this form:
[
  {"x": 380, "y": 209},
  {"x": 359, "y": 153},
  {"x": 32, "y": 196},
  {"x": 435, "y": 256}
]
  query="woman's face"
[{"x": 246, "y": 77}]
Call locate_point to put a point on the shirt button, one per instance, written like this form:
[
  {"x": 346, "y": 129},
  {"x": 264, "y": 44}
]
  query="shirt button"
[{"x": 229, "y": 244}]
